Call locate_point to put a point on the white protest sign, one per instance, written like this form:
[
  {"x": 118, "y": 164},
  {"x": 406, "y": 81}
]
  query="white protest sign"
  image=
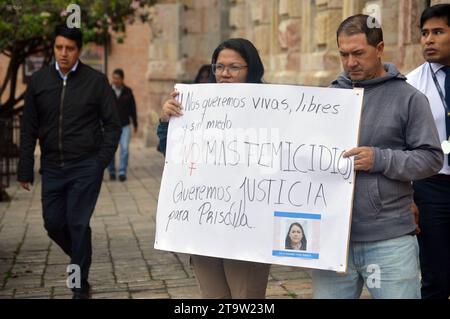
[{"x": 247, "y": 161}]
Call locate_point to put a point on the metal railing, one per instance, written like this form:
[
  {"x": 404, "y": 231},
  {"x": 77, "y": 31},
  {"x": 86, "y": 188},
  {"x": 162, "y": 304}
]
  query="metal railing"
[{"x": 9, "y": 152}]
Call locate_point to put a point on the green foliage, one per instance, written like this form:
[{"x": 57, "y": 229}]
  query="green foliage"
[
  {"x": 27, "y": 26},
  {"x": 23, "y": 20}
]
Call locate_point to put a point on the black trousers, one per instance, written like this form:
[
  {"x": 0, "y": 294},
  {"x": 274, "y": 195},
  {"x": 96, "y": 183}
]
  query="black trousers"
[
  {"x": 69, "y": 195},
  {"x": 432, "y": 197}
]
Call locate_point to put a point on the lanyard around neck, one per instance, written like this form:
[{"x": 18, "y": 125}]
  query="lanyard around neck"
[{"x": 441, "y": 94}]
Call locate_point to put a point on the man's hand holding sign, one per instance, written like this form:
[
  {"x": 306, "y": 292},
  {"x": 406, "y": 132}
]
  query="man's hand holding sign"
[{"x": 363, "y": 157}]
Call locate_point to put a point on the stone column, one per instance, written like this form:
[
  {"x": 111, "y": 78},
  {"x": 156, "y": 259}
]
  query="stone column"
[
  {"x": 261, "y": 30},
  {"x": 184, "y": 34},
  {"x": 256, "y": 20},
  {"x": 350, "y": 7},
  {"x": 238, "y": 19},
  {"x": 204, "y": 25},
  {"x": 320, "y": 60},
  {"x": 287, "y": 60},
  {"x": 409, "y": 54},
  {"x": 164, "y": 62}
]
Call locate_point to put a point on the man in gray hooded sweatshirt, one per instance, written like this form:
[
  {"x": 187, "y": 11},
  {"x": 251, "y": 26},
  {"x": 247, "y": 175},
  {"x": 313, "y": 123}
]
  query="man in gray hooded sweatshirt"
[{"x": 399, "y": 143}]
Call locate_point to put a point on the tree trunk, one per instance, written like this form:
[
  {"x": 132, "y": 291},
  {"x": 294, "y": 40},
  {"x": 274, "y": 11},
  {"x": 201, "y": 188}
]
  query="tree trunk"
[{"x": 14, "y": 65}]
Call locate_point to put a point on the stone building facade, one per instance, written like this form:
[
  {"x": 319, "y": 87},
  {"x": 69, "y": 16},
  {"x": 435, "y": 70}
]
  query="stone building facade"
[{"x": 296, "y": 38}]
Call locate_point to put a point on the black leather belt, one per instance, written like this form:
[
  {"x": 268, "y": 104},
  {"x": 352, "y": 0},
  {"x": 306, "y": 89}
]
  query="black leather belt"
[{"x": 442, "y": 177}]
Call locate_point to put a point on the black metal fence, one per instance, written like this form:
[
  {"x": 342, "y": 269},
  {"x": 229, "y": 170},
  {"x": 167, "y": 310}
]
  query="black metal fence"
[{"x": 9, "y": 152}]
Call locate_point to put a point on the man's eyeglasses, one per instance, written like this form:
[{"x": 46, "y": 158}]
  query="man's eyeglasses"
[{"x": 233, "y": 69}]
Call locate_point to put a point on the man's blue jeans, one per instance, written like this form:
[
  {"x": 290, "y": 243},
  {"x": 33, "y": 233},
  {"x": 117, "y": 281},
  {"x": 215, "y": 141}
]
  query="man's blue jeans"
[
  {"x": 389, "y": 268},
  {"x": 124, "y": 142}
]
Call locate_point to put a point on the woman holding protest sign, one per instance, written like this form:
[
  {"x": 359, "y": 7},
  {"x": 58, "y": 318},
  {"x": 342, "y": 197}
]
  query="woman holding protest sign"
[{"x": 233, "y": 61}]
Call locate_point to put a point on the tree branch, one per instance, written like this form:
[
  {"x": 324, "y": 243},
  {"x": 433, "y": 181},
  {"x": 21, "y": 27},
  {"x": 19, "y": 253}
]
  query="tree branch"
[
  {"x": 20, "y": 98},
  {"x": 6, "y": 79}
]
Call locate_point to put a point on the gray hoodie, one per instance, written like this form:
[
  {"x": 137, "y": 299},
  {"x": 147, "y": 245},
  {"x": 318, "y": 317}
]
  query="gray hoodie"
[{"x": 397, "y": 122}]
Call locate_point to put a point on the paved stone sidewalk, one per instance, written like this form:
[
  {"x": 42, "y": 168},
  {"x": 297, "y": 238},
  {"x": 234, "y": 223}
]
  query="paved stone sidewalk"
[{"x": 125, "y": 265}]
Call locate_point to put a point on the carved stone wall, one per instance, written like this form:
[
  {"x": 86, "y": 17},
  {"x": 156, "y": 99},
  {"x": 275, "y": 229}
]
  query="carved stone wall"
[{"x": 295, "y": 38}]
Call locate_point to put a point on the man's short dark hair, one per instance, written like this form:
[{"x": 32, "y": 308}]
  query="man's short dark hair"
[
  {"x": 74, "y": 34},
  {"x": 119, "y": 72},
  {"x": 360, "y": 24},
  {"x": 436, "y": 11}
]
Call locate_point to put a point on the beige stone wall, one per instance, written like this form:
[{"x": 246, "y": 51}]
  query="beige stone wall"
[
  {"x": 296, "y": 40},
  {"x": 132, "y": 56},
  {"x": 183, "y": 35}
]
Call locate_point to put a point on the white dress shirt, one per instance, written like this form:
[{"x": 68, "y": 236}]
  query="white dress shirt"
[
  {"x": 422, "y": 80},
  {"x": 64, "y": 76}
]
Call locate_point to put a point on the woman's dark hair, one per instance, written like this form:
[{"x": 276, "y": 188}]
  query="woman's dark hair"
[
  {"x": 438, "y": 11},
  {"x": 248, "y": 52},
  {"x": 204, "y": 68},
  {"x": 288, "y": 244}
]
